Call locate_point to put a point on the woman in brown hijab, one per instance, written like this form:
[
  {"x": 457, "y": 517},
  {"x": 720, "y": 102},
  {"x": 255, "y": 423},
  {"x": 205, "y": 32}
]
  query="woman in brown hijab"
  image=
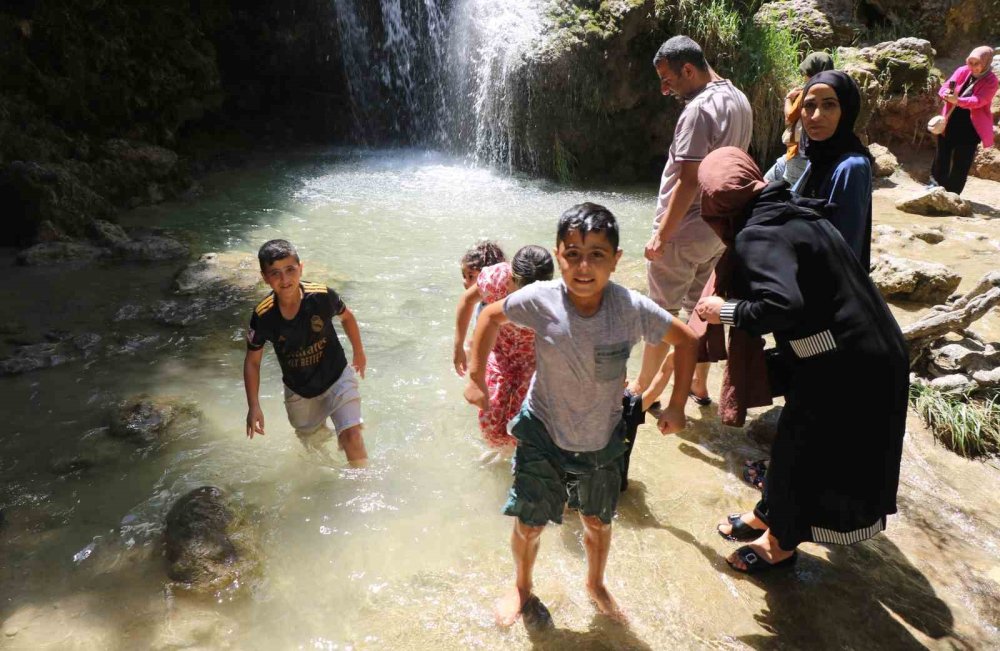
[{"x": 788, "y": 272}]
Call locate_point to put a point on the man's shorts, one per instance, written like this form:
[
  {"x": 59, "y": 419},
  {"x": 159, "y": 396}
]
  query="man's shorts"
[
  {"x": 341, "y": 403},
  {"x": 546, "y": 476},
  {"x": 677, "y": 278}
]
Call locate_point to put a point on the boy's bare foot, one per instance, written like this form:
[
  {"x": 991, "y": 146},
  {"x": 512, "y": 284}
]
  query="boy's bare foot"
[
  {"x": 606, "y": 604},
  {"x": 509, "y": 606}
]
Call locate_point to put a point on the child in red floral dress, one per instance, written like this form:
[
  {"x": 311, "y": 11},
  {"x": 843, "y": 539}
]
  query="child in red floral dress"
[{"x": 512, "y": 361}]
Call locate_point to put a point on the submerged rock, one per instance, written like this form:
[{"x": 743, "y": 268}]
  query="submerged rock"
[
  {"x": 210, "y": 544},
  {"x": 149, "y": 420},
  {"x": 912, "y": 280},
  {"x": 929, "y": 235},
  {"x": 47, "y": 253},
  {"x": 935, "y": 202},
  {"x": 61, "y": 348}
]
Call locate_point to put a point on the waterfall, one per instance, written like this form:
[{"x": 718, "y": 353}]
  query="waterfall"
[{"x": 439, "y": 72}]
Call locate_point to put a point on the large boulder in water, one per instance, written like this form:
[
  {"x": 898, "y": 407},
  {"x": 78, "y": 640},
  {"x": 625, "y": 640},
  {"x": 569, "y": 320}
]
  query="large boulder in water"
[
  {"x": 209, "y": 542},
  {"x": 913, "y": 280},
  {"x": 219, "y": 271}
]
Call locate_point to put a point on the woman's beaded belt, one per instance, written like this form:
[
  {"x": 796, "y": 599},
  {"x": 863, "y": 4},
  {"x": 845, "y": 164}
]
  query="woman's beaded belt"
[{"x": 821, "y": 342}]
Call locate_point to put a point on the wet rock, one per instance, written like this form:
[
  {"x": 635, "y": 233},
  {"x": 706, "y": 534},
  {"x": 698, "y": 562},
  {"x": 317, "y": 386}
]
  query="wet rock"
[
  {"x": 935, "y": 202},
  {"x": 214, "y": 271},
  {"x": 60, "y": 350},
  {"x": 48, "y": 253},
  {"x": 885, "y": 161},
  {"x": 152, "y": 161},
  {"x": 150, "y": 248},
  {"x": 49, "y": 232},
  {"x": 956, "y": 383},
  {"x": 912, "y": 280},
  {"x": 210, "y": 544},
  {"x": 105, "y": 234},
  {"x": 93, "y": 450},
  {"x": 986, "y": 164},
  {"x": 818, "y": 24},
  {"x": 764, "y": 428},
  {"x": 148, "y": 420}
]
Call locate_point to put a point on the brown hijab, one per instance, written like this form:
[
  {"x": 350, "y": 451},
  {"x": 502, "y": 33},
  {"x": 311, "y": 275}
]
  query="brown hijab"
[{"x": 729, "y": 180}]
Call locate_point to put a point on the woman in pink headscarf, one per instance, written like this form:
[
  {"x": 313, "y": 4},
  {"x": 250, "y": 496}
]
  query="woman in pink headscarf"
[{"x": 967, "y": 95}]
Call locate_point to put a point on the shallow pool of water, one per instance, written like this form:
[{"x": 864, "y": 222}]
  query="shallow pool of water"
[{"x": 410, "y": 552}]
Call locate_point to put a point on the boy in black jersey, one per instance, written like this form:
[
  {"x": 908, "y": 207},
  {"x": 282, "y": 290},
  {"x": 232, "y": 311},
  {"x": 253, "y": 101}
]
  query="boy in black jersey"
[{"x": 296, "y": 317}]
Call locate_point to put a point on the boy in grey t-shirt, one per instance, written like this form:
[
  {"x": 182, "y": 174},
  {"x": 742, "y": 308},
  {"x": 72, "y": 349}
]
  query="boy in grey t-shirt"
[{"x": 569, "y": 443}]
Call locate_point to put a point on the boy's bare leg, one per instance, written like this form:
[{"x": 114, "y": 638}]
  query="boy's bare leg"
[
  {"x": 652, "y": 357},
  {"x": 524, "y": 543},
  {"x": 597, "y": 542},
  {"x": 353, "y": 445}
]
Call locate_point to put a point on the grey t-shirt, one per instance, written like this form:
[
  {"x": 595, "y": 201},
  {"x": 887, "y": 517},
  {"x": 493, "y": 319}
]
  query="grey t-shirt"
[
  {"x": 580, "y": 361},
  {"x": 718, "y": 116}
]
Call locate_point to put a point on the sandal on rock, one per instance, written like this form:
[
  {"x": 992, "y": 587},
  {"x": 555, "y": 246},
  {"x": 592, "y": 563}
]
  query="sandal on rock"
[
  {"x": 701, "y": 402},
  {"x": 756, "y": 564},
  {"x": 741, "y": 531},
  {"x": 759, "y": 470}
]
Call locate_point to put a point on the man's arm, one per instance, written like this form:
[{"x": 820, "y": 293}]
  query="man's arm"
[
  {"x": 466, "y": 306},
  {"x": 685, "y": 344},
  {"x": 350, "y": 325},
  {"x": 251, "y": 382},
  {"x": 677, "y": 206},
  {"x": 490, "y": 320}
]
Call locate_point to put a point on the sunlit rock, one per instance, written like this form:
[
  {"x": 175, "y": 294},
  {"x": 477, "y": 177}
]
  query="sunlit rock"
[{"x": 913, "y": 280}]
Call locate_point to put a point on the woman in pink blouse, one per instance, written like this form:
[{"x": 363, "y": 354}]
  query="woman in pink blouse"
[{"x": 967, "y": 95}]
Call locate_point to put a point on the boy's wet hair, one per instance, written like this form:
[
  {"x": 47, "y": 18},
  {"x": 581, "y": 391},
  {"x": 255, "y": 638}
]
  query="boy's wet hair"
[
  {"x": 274, "y": 250},
  {"x": 678, "y": 50},
  {"x": 531, "y": 263},
  {"x": 482, "y": 255},
  {"x": 588, "y": 218}
]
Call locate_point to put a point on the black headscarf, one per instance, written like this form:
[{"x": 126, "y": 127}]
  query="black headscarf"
[{"x": 824, "y": 154}]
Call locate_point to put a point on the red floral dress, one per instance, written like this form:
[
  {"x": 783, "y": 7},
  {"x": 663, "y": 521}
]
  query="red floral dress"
[{"x": 510, "y": 365}]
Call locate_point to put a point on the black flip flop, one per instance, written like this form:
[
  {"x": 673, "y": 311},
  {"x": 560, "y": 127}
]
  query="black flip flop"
[
  {"x": 741, "y": 531},
  {"x": 755, "y": 564},
  {"x": 701, "y": 402}
]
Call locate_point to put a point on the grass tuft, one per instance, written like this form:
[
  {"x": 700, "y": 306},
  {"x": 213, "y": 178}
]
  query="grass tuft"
[{"x": 966, "y": 425}]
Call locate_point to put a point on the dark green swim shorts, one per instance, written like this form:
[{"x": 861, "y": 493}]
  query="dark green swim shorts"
[{"x": 546, "y": 476}]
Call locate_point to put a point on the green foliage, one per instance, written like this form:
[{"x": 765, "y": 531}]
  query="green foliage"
[{"x": 969, "y": 426}]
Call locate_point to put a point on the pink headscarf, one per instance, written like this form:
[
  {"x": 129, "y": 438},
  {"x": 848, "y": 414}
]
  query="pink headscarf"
[{"x": 984, "y": 53}]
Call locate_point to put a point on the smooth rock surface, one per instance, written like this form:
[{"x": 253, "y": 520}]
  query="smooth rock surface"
[
  {"x": 934, "y": 202},
  {"x": 912, "y": 280}
]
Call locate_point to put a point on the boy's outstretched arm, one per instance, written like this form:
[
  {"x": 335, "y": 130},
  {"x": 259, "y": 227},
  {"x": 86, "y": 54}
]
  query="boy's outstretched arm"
[
  {"x": 466, "y": 306},
  {"x": 685, "y": 344},
  {"x": 353, "y": 332},
  {"x": 490, "y": 320},
  {"x": 251, "y": 382}
]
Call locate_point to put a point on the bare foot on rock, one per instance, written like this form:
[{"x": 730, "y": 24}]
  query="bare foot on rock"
[
  {"x": 509, "y": 606},
  {"x": 606, "y": 604}
]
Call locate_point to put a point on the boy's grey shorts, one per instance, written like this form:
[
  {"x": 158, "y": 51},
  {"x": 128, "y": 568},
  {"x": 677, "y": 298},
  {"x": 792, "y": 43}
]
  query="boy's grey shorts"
[
  {"x": 341, "y": 403},
  {"x": 677, "y": 278}
]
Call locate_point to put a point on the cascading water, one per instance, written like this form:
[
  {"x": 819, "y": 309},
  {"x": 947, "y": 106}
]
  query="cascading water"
[
  {"x": 393, "y": 58},
  {"x": 439, "y": 72}
]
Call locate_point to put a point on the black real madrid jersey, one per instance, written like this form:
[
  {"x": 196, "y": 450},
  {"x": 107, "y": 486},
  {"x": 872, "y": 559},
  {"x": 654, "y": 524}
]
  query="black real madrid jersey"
[{"x": 308, "y": 350}]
